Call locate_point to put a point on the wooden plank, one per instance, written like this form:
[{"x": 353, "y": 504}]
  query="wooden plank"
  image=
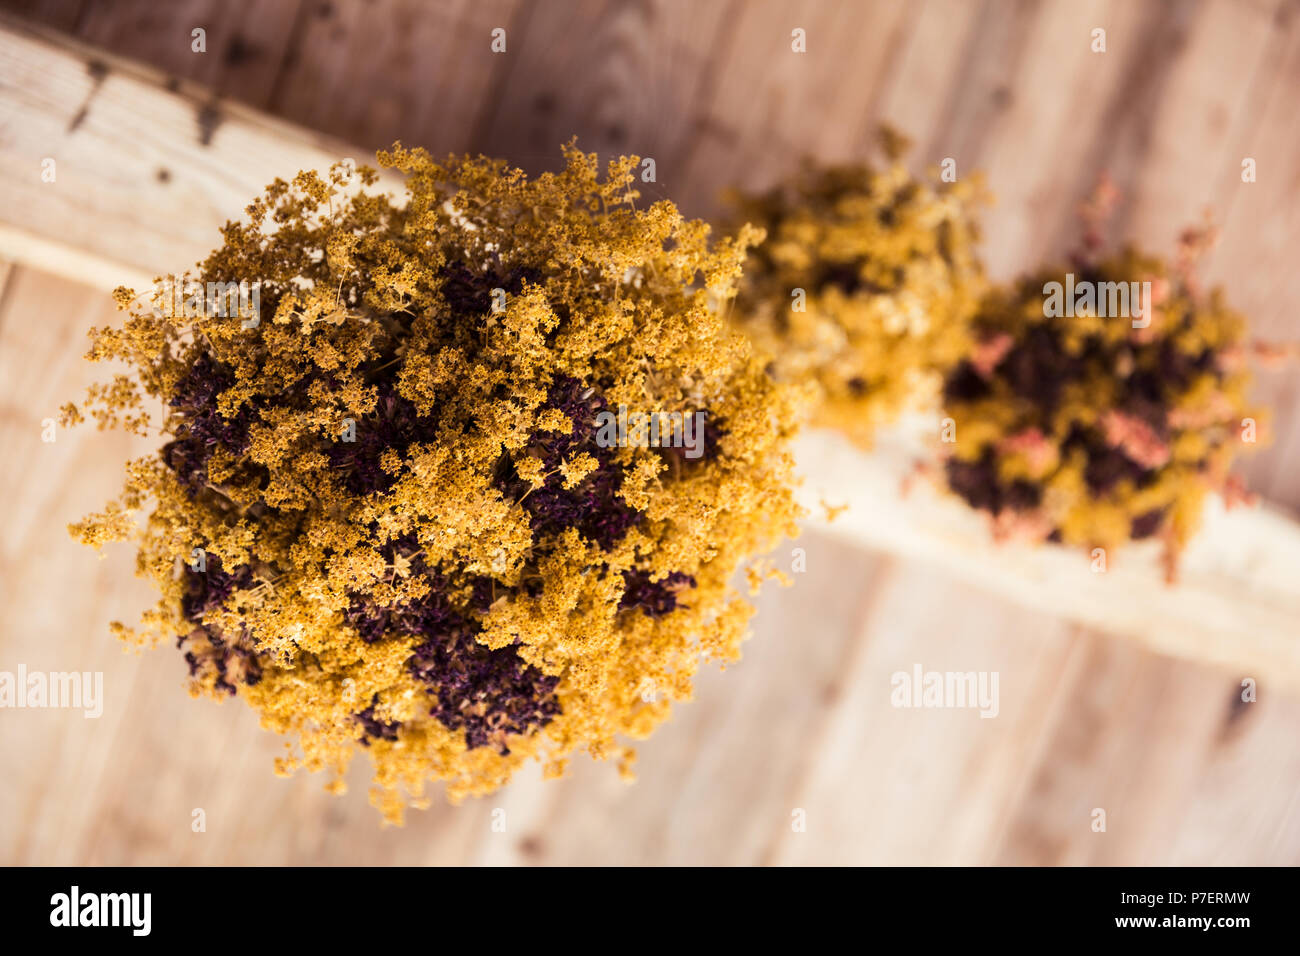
[
  {"x": 244, "y": 41},
  {"x": 52, "y": 626},
  {"x": 419, "y": 72},
  {"x": 58, "y": 14},
  {"x": 57, "y": 258},
  {"x": 1042, "y": 114},
  {"x": 1235, "y": 605},
  {"x": 1083, "y": 722},
  {"x": 769, "y": 105},
  {"x": 1201, "y": 118},
  {"x": 143, "y": 175},
  {"x": 899, "y": 785},
  {"x": 1162, "y": 747},
  {"x": 111, "y": 222},
  {"x": 643, "y": 66},
  {"x": 804, "y": 720},
  {"x": 925, "y": 71},
  {"x": 1259, "y": 273}
]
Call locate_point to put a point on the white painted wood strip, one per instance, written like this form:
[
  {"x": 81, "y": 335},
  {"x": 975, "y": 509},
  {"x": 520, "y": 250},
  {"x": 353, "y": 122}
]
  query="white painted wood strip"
[
  {"x": 1236, "y": 603},
  {"x": 144, "y": 174}
]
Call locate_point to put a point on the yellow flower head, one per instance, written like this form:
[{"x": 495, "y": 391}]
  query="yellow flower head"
[{"x": 396, "y": 512}]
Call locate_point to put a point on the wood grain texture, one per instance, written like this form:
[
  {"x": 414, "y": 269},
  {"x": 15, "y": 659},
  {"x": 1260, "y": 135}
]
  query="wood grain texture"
[
  {"x": 1235, "y": 603},
  {"x": 1185, "y": 771},
  {"x": 419, "y": 72},
  {"x": 245, "y": 42},
  {"x": 143, "y": 175},
  {"x": 637, "y": 63}
]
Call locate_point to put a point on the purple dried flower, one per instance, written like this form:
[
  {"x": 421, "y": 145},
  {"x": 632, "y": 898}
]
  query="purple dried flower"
[
  {"x": 211, "y": 587},
  {"x": 395, "y": 424},
  {"x": 594, "y": 507},
  {"x": 487, "y": 693},
  {"x": 230, "y": 663},
  {"x": 374, "y": 729},
  {"x": 1145, "y": 525},
  {"x": 654, "y": 598},
  {"x": 469, "y": 292},
  {"x": 203, "y": 429}
]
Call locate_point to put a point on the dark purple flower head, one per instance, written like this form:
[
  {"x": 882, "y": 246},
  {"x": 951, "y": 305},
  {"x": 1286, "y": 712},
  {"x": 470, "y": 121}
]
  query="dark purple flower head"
[
  {"x": 1145, "y": 525},
  {"x": 487, "y": 693},
  {"x": 374, "y": 729},
  {"x": 594, "y": 507},
  {"x": 203, "y": 430},
  {"x": 431, "y": 614},
  {"x": 710, "y": 443},
  {"x": 469, "y": 291},
  {"x": 1106, "y": 465},
  {"x": 1036, "y": 371},
  {"x": 211, "y": 587},
  {"x": 395, "y": 424},
  {"x": 654, "y": 598},
  {"x": 965, "y": 384},
  {"x": 1039, "y": 367},
  {"x": 484, "y": 592},
  {"x": 976, "y": 481},
  {"x": 227, "y": 663}
]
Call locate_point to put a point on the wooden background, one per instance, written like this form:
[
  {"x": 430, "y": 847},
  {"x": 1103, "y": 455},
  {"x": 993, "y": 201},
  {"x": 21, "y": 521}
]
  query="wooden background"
[{"x": 712, "y": 91}]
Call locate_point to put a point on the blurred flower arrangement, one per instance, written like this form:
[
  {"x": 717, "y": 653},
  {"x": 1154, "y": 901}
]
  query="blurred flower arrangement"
[
  {"x": 1101, "y": 429},
  {"x": 1089, "y": 430},
  {"x": 865, "y": 286}
]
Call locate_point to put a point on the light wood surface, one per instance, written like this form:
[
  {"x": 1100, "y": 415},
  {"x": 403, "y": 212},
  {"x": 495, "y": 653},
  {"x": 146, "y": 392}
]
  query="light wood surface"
[
  {"x": 1235, "y": 601},
  {"x": 1186, "y": 772}
]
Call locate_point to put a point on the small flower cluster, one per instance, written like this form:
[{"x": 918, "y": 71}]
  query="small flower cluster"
[
  {"x": 865, "y": 286},
  {"x": 412, "y": 541},
  {"x": 1094, "y": 431}
]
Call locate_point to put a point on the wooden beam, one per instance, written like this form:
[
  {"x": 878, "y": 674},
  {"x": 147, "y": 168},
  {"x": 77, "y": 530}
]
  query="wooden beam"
[
  {"x": 130, "y": 171},
  {"x": 1236, "y": 603}
]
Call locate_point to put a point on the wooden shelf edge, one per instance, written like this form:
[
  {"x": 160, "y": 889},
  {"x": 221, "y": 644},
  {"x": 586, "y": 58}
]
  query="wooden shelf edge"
[{"x": 1236, "y": 603}]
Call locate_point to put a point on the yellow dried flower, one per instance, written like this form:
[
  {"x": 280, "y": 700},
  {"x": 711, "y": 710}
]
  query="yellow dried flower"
[
  {"x": 400, "y": 526},
  {"x": 865, "y": 286}
]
